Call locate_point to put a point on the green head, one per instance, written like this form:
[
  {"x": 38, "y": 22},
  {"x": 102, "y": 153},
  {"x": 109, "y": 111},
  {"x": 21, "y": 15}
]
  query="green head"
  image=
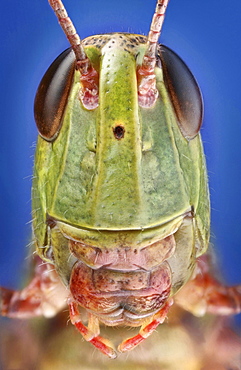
[{"x": 119, "y": 160}]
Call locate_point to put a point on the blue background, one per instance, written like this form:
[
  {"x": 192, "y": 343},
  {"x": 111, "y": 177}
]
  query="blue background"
[{"x": 206, "y": 34}]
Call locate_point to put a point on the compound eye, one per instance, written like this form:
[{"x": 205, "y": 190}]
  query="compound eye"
[
  {"x": 184, "y": 92},
  {"x": 52, "y": 95}
]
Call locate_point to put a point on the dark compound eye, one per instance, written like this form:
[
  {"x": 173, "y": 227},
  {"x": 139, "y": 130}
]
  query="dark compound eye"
[
  {"x": 184, "y": 92},
  {"x": 52, "y": 95}
]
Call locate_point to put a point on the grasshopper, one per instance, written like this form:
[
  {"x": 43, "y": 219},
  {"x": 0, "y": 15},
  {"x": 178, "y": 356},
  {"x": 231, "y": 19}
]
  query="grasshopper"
[{"x": 120, "y": 200}]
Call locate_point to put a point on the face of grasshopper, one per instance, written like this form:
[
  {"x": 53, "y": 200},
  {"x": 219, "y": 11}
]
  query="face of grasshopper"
[{"x": 120, "y": 199}]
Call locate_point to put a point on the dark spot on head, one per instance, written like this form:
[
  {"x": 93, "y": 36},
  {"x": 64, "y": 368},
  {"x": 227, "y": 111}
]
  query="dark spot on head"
[
  {"x": 50, "y": 221},
  {"x": 119, "y": 132},
  {"x": 130, "y": 45},
  {"x": 192, "y": 211}
]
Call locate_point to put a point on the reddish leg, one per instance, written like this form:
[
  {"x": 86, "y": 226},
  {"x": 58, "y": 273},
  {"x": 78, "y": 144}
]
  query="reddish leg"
[
  {"x": 146, "y": 329},
  {"x": 205, "y": 294},
  {"x": 45, "y": 295},
  {"x": 91, "y": 333}
]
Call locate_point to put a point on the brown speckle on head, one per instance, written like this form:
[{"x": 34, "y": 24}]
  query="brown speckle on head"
[{"x": 128, "y": 41}]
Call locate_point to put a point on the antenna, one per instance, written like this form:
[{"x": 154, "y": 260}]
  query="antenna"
[
  {"x": 146, "y": 77},
  {"x": 89, "y": 76}
]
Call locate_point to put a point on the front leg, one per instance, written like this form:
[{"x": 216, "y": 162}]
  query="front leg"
[
  {"x": 91, "y": 333},
  {"x": 44, "y": 295},
  {"x": 204, "y": 294},
  {"x": 147, "y": 328}
]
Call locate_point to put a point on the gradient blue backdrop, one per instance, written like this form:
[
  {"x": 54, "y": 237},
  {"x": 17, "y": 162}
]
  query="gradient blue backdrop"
[{"x": 206, "y": 34}]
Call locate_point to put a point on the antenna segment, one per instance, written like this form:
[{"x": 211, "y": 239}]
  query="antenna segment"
[
  {"x": 89, "y": 76},
  {"x": 146, "y": 77}
]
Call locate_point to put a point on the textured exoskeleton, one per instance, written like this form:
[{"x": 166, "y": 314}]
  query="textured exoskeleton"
[{"x": 120, "y": 198}]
